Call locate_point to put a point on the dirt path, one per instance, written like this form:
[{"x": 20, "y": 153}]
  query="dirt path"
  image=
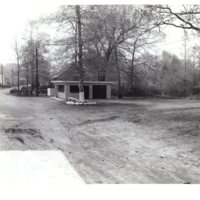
[{"x": 146, "y": 141}]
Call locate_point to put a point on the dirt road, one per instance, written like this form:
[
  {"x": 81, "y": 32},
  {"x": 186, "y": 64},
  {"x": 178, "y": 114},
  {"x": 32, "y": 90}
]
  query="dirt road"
[{"x": 140, "y": 141}]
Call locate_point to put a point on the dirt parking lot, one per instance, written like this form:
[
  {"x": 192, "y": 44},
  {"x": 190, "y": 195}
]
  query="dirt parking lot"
[{"x": 117, "y": 141}]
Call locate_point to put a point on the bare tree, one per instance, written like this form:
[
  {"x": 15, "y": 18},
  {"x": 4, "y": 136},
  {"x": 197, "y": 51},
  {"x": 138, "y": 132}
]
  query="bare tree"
[
  {"x": 29, "y": 60},
  {"x": 65, "y": 20},
  {"x": 186, "y": 16},
  {"x": 17, "y": 53},
  {"x": 109, "y": 26}
]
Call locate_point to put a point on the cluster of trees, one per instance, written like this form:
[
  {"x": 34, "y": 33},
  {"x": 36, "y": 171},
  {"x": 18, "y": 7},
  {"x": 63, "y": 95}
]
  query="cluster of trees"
[
  {"x": 32, "y": 58},
  {"x": 165, "y": 75},
  {"x": 8, "y": 75},
  {"x": 112, "y": 42}
]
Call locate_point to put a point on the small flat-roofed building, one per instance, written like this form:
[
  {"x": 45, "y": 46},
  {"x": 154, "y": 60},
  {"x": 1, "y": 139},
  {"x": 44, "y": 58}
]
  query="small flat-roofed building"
[{"x": 92, "y": 89}]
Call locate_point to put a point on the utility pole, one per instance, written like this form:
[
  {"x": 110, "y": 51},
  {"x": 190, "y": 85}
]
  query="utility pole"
[
  {"x": 185, "y": 59},
  {"x": 37, "y": 75},
  {"x": 2, "y": 75}
]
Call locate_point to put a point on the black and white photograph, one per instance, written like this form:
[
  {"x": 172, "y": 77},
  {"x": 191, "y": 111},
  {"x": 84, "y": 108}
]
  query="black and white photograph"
[{"x": 98, "y": 94}]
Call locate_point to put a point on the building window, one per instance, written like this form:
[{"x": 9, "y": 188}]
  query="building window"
[
  {"x": 74, "y": 89},
  {"x": 61, "y": 88}
]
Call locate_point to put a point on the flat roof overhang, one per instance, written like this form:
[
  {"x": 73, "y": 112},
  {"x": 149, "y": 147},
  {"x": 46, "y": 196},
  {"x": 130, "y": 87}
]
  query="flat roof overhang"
[{"x": 85, "y": 82}]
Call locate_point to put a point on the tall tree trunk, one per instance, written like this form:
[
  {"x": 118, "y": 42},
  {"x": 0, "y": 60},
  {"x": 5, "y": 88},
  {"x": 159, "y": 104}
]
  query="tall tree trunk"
[
  {"x": 18, "y": 65},
  {"x": 37, "y": 73},
  {"x": 80, "y": 62},
  {"x": 32, "y": 77},
  {"x": 32, "y": 61},
  {"x": 76, "y": 51},
  {"x": 27, "y": 90},
  {"x": 132, "y": 72},
  {"x": 12, "y": 78},
  {"x": 2, "y": 76},
  {"x": 102, "y": 73},
  {"x": 118, "y": 75},
  {"x": 18, "y": 68},
  {"x": 99, "y": 73},
  {"x": 103, "y": 69}
]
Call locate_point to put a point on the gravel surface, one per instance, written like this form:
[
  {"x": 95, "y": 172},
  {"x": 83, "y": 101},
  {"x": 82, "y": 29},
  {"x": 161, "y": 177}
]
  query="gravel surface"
[{"x": 116, "y": 141}]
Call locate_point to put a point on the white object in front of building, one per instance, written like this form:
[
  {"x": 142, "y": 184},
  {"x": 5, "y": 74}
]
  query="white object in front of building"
[
  {"x": 51, "y": 92},
  {"x": 81, "y": 96}
]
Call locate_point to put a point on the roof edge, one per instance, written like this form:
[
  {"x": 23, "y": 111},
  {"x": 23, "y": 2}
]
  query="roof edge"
[{"x": 86, "y": 82}]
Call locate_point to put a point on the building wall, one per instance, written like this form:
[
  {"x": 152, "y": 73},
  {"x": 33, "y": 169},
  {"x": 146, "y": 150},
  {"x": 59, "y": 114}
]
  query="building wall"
[
  {"x": 108, "y": 92},
  {"x": 61, "y": 95},
  {"x": 66, "y": 93}
]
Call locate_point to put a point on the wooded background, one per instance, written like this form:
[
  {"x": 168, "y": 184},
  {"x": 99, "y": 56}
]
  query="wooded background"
[{"x": 118, "y": 43}]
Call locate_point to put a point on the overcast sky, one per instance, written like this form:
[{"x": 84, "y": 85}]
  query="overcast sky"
[{"x": 15, "y": 14}]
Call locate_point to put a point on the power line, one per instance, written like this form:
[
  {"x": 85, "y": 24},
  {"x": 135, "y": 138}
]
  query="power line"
[
  {"x": 181, "y": 40},
  {"x": 176, "y": 41}
]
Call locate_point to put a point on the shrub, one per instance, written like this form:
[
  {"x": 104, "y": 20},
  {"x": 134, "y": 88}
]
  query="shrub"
[{"x": 13, "y": 91}]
